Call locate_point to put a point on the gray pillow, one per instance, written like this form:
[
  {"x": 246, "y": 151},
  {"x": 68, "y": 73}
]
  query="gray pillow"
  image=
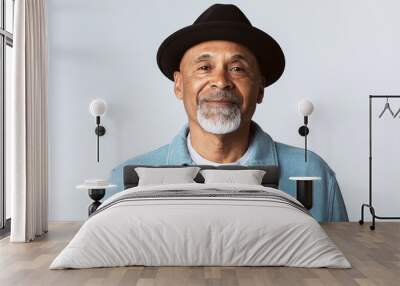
[
  {"x": 249, "y": 177},
  {"x": 162, "y": 176}
]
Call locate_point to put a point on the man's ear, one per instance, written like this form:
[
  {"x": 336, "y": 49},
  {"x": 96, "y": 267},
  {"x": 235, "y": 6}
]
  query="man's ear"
[
  {"x": 261, "y": 90},
  {"x": 178, "y": 85}
]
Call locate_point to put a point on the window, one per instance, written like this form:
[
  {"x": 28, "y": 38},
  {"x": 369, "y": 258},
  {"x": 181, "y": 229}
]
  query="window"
[{"x": 6, "y": 44}]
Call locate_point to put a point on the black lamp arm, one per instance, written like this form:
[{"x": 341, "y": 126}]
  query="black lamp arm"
[
  {"x": 303, "y": 131},
  {"x": 100, "y": 131}
]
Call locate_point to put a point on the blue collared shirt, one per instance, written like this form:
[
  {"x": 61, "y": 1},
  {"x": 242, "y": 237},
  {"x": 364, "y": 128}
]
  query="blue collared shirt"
[{"x": 328, "y": 201}]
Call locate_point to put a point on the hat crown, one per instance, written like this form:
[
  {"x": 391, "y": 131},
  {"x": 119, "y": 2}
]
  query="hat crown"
[
  {"x": 222, "y": 13},
  {"x": 223, "y": 22}
]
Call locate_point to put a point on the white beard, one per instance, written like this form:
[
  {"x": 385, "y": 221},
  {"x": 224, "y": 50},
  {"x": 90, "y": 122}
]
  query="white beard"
[{"x": 219, "y": 120}]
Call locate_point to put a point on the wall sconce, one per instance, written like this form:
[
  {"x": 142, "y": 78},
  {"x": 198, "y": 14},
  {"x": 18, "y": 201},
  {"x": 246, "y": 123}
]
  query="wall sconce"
[
  {"x": 305, "y": 108},
  {"x": 97, "y": 108}
]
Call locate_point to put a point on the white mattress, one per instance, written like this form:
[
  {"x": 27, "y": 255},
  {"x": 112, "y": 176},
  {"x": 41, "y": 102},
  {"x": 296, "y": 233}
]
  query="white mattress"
[{"x": 200, "y": 231}]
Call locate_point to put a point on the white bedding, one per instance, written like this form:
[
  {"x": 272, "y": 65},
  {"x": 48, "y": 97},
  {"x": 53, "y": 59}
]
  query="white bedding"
[{"x": 226, "y": 231}]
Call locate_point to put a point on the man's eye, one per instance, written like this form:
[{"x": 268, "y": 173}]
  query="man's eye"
[
  {"x": 237, "y": 69},
  {"x": 204, "y": 68}
]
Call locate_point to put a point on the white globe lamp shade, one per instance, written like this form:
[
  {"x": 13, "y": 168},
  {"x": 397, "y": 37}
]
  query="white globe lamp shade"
[
  {"x": 305, "y": 107},
  {"x": 98, "y": 107}
]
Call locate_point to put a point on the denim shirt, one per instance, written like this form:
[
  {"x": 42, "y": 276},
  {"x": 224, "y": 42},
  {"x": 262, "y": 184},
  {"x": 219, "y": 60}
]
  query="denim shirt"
[{"x": 328, "y": 204}]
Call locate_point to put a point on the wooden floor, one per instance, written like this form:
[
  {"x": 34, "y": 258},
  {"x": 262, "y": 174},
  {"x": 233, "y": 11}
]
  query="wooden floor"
[{"x": 374, "y": 255}]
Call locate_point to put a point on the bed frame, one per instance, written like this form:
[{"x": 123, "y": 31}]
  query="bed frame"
[{"x": 270, "y": 179}]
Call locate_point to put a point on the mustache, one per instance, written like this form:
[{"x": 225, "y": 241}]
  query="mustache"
[{"x": 222, "y": 95}]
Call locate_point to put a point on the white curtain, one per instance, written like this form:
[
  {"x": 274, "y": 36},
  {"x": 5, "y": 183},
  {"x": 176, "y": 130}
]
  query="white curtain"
[{"x": 27, "y": 123}]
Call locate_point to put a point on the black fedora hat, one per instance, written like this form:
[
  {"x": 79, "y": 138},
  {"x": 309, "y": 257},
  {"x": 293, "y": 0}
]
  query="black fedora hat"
[{"x": 223, "y": 22}]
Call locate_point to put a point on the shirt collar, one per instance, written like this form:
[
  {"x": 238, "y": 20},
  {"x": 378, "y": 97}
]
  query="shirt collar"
[
  {"x": 200, "y": 160},
  {"x": 264, "y": 152}
]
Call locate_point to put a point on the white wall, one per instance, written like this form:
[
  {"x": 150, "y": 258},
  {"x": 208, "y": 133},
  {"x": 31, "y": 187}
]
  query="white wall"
[{"x": 337, "y": 53}]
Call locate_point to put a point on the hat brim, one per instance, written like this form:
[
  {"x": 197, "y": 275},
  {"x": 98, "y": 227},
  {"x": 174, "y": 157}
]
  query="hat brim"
[{"x": 269, "y": 54}]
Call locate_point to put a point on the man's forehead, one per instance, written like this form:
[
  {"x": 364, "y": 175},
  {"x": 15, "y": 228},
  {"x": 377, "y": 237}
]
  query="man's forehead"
[
  {"x": 213, "y": 49},
  {"x": 207, "y": 56}
]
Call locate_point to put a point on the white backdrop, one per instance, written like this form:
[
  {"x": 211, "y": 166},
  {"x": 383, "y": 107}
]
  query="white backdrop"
[{"x": 337, "y": 53}]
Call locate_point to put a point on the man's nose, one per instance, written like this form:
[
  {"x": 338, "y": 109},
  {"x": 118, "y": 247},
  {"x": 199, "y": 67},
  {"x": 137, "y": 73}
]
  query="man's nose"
[{"x": 221, "y": 80}]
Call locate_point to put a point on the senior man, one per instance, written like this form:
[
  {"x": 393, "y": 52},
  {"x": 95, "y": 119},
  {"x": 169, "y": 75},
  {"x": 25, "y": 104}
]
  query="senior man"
[{"x": 220, "y": 66}]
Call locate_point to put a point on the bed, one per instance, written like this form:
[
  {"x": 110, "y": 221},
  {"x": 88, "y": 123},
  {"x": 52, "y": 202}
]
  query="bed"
[{"x": 201, "y": 224}]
